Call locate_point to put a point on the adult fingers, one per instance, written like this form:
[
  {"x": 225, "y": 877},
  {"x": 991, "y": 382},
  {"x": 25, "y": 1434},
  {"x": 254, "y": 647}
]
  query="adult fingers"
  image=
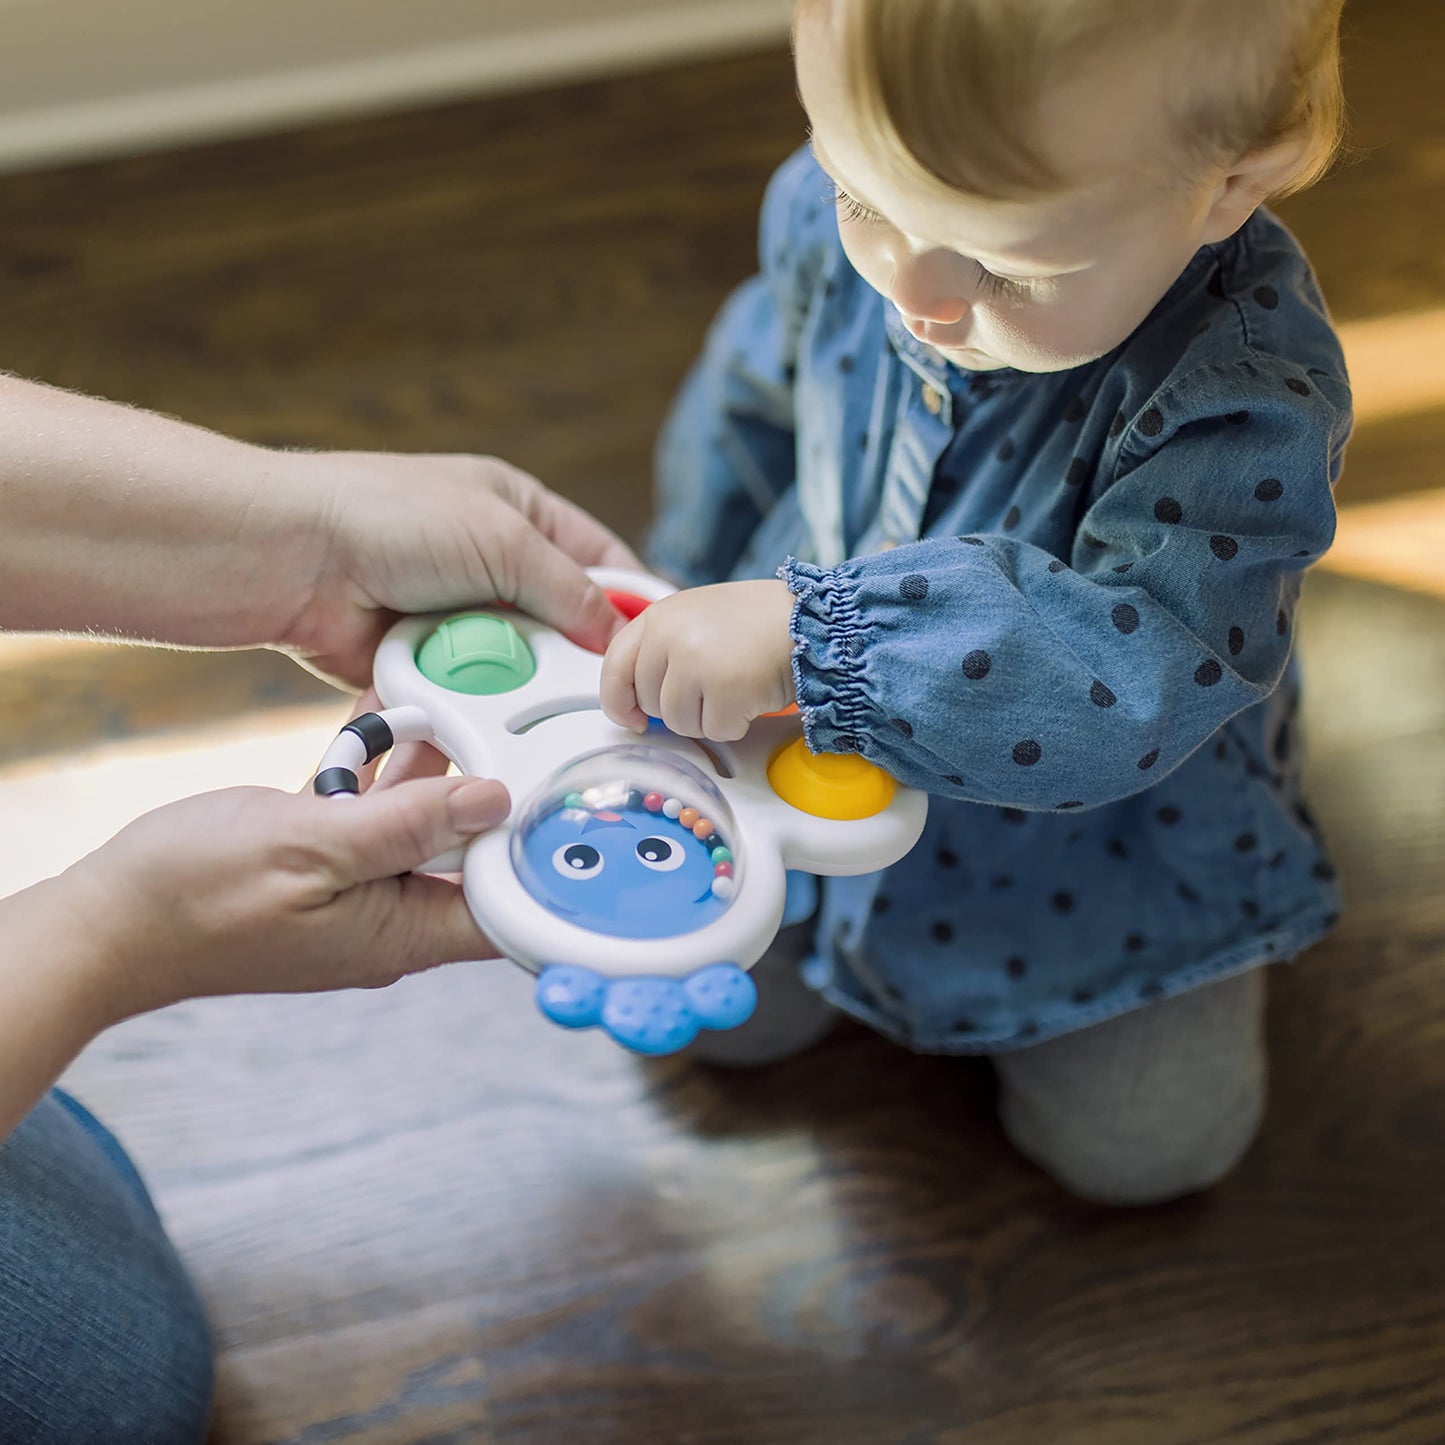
[
  {"x": 432, "y": 925},
  {"x": 390, "y": 831},
  {"x": 541, "y": 579},
  {"x": 575, "y": 531},
  {"x": 410, "y": 761}
]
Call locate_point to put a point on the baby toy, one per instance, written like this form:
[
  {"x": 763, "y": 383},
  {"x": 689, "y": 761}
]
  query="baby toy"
[{"x": 639, "y": 878}]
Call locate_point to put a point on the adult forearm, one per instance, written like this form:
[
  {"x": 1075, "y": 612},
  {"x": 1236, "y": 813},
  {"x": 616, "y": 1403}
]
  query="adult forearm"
[
  {"x": 54, "y": 997},
  {"x": 130, "y": 524}
]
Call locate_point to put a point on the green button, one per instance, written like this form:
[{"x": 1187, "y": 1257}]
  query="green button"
[{"x": 477, "y": 653}]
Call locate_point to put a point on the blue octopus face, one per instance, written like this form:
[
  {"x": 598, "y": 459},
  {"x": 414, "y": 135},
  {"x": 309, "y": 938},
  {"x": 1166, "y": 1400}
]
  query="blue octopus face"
[{"x": 630, "y": 871}]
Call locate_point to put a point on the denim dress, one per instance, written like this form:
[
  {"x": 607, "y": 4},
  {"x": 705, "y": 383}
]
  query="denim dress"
[{"x": 1061, "y": 603}]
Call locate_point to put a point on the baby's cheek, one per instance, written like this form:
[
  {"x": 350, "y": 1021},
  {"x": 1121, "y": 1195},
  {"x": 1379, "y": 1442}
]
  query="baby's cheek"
[
  {"x": 865, "y": 252},
  {"x": 1052, "y": 337}
]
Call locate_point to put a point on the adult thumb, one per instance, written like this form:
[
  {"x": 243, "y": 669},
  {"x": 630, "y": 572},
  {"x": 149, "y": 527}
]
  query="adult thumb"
[{"x": 387, "y": 832}]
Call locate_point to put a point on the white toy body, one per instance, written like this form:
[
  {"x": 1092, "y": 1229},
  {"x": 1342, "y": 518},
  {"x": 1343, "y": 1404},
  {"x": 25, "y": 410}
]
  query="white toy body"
[{"x": 529, "y": 735}]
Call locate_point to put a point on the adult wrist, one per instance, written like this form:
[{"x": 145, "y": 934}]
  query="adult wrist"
[{"x": 61, "y": 963}]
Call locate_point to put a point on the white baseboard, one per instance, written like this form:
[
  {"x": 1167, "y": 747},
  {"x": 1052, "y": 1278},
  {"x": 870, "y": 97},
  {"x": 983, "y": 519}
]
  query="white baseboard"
[{"x": 176, "y": 110}]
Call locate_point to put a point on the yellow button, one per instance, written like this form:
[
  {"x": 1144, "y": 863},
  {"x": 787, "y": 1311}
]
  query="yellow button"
[
  {"x": 829, "y": 785},
  {"x": 933, "y": 399}
]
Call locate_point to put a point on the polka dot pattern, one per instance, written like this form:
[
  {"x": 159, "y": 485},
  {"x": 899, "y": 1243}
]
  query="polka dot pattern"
[{"x": 1170, "y": 473}]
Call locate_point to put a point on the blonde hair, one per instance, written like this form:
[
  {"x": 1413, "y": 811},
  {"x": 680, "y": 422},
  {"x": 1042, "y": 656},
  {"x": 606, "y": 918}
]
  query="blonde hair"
[{"x": 923, "y": 74}]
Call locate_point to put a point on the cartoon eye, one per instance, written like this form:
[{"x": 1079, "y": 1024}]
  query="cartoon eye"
[
  {"x": 578, "y": 860},
  {"x": 662, "y": 855}
]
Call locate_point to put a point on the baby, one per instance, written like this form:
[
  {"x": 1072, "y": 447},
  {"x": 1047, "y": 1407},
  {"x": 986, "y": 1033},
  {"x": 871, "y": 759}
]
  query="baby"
[{"x": 1030, "y": 423}]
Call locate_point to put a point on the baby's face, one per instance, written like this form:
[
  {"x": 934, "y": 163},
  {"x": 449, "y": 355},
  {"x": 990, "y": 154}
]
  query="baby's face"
[{"x": 1041, "y": 285}]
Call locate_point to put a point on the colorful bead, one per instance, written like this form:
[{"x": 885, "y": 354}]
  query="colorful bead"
[
  {"x": 702, "y": 829},
  {"x": 723, "y": 887},
  {"x": 653, "y": 802},
  {"x": 687, "y": 817},
  {"x": 634, "y": 801},
  {"x": 722, "y": 855},
  {"x": 672, "y": 808},
  {"x": 713, "y": 842},
  {"x": 722, "y": 870},
  {"x": 572, "y": 800}
]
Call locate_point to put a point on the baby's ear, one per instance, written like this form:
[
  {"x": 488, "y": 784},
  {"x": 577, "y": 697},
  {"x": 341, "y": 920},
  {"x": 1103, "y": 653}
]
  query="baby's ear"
[{"x": 1255, "y": 177}]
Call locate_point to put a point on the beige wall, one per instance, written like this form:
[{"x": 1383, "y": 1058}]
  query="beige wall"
[{"x": 81, "y": 77}]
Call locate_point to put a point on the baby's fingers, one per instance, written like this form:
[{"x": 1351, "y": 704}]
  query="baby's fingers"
[{"x": 618, "y": 690}]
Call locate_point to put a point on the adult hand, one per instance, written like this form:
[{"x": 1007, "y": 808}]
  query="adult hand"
[
  {"x": 249, "y": 890},
  {"x": 426, "y": 533}
]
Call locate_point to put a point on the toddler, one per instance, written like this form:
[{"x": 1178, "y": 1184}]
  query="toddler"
[{"x": 1029, "y": 428}]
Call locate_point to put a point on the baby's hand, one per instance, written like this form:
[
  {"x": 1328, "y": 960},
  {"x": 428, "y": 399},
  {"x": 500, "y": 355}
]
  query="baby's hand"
[
  {"x": 706, "y": 661},
  {"x": 254, "y": 891}
]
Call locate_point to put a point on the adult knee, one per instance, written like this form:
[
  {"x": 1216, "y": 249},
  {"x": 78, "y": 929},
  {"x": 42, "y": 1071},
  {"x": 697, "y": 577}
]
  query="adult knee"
[{"x": 103, "y": 1339}]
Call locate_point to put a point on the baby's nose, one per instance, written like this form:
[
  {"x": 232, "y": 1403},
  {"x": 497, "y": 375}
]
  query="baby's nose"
[
  {"x": 946, "y": 311},
  {"x": 926, "y": 290}
]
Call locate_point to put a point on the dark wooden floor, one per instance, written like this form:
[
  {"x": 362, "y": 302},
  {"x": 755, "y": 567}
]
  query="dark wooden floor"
[{"x": 424, "y": 1216}]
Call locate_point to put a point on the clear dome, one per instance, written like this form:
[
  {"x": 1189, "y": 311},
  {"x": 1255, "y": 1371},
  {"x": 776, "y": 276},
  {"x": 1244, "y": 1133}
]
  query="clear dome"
[{"x": 630, "y": 841}]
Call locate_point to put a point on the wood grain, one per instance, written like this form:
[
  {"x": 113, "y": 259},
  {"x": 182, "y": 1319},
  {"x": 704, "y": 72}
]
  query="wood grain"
[{"x": 425, "y": 1216}]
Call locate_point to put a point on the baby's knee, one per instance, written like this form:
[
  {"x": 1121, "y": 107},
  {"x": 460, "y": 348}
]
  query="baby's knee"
[
  {"x": 1149, "y": 1106},
  {"x": 1127, "y": 1161}
]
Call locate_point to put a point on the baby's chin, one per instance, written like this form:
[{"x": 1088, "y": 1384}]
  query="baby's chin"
[
  {"x": 1038, "y": 362},
  {"x": 969, "y": 359}
]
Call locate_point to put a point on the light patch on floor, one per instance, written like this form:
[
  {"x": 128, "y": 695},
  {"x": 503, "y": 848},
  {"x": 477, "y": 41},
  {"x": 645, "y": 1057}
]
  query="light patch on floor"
[
  {"x": 1400, "y": 542},
  {"x": 57, "y": 810},
  {"x": 1394, "y": 364}
]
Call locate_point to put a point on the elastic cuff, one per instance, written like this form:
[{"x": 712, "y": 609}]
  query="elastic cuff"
[{"x": 828, "y": 639}]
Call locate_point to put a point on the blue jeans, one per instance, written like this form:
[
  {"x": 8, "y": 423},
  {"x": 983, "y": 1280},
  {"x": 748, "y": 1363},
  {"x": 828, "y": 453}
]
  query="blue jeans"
[{"x": 103, "y": 1340}]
